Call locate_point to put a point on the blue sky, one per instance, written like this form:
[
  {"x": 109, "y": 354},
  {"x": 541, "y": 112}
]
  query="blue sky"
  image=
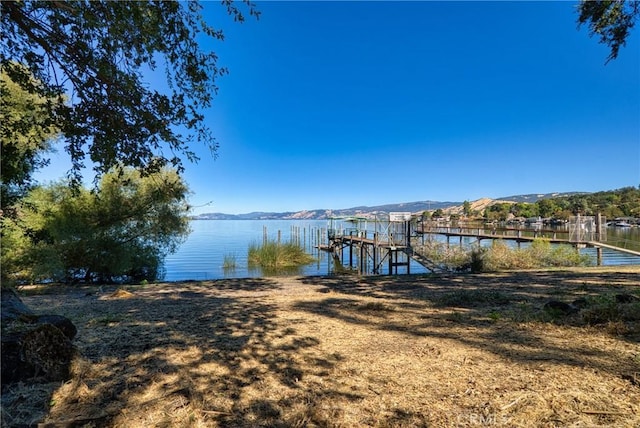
[{"x": 340, "y": 104}]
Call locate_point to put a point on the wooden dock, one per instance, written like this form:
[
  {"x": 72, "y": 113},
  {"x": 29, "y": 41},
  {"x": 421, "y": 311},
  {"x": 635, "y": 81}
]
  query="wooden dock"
[
  {"x": 507, "y": 233},
  {"x": 613, "y": 247},
  {"x": 379, "y": 252},
  {"x": 390, "y": 243},
  {"x": 523, "y": 235}
]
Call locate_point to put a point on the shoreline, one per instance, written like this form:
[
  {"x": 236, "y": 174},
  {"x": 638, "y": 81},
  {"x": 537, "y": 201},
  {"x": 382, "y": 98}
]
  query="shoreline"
[{"x": 632, "y": 268}]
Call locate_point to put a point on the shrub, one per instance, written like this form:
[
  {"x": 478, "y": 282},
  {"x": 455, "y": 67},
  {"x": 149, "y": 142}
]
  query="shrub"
[
  {"x": 477, "y": 259},
  {"x": 564, "y": 255},
  {"x": 447, "y": 257},
  {"x": 119, "y": 232},
  {"x": 539, "y": 254},
  {"x": 500, "y": 256}
]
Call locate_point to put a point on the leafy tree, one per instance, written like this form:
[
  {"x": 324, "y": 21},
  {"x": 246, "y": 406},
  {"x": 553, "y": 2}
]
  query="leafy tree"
[
  {"x": 612, "y": 211},
  {"x": 547, "y": 207},
  {"x": 611, "y": 20},
  {"x": 466, "y": 208},
  {"x": 630, "y": 201},
  {"x": 99, "y": 51},
  {"x": 524, "y": 209},
  {"x": 612, "y": 203},
  {"x": 121, "y": 231},
  {"x": 579, "y": 204},
  {"x": 439, "y": 213},
  {"x": 26, "y": 131},
  {"x": 499, "y": 211}
]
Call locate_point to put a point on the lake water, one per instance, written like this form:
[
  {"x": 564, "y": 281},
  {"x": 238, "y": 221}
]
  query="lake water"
[{"x": 202, "y": 255}]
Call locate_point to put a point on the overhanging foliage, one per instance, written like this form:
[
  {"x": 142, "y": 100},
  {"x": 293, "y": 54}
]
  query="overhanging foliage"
[{"x": 99, "y": 53}]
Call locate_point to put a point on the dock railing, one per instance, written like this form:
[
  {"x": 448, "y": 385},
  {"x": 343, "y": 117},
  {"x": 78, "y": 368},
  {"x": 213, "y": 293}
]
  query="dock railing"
[
  {"x": 579, "y": 229},
  {"x": 379, "y": 229},
  {"x": 494, "y": 232}
]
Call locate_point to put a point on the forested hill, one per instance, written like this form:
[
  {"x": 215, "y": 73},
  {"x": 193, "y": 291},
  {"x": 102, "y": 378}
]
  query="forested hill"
[
  {"x": 535, "y": 197},
  {"x": 612, "y": 203}
]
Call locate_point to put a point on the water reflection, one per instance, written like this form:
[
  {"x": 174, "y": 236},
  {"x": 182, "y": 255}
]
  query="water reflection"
[{"x": 202, "y": 256}]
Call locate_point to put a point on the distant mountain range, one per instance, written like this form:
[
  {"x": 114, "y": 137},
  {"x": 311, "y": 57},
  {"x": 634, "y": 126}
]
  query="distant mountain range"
[
  {"x": 321, "y": 214},
  {"x": 413, "y": 207}
]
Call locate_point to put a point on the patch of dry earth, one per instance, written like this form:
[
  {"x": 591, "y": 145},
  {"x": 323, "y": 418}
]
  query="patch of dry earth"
[{"x": 466, "y": 350}]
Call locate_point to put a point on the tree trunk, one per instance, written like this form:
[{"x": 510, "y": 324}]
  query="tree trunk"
[{"x": 33, "y": 344}]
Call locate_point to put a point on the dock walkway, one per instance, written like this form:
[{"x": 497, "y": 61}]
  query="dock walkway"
[
  {"x": 524, "y": 235},
  {"x": 390, "y": 241}
]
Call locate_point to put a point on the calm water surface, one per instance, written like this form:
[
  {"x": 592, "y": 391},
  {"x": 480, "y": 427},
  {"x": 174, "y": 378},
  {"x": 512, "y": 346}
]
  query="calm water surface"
[{"x": 202, "y": 255}]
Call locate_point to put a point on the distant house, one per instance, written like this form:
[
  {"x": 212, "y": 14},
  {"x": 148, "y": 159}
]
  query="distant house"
[{"x": 533, "y": 221}]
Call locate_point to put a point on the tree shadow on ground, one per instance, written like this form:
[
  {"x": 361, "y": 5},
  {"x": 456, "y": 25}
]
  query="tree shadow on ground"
[
  {"x": 222, "y": 353},
  {"x": 505, "y": 312},
  {"x": 164, "y": 357},
  {"x": 235, "y": 284}
]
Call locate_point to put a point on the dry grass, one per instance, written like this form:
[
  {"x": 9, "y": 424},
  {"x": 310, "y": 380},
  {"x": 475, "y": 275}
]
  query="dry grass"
[{"x": 466, "y": 350}]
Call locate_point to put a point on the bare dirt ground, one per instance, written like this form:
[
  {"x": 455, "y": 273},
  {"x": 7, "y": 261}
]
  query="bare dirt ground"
[{"x": 346, "y": 351}]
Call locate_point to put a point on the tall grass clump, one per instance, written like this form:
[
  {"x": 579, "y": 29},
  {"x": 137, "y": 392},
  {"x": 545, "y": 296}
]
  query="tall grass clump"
[
  {"x": 229, "y": 262},
  {"x": 500, "y": 256},
  {"x": 273, "y": 255},
  {"x": 540, "y": 254}
]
